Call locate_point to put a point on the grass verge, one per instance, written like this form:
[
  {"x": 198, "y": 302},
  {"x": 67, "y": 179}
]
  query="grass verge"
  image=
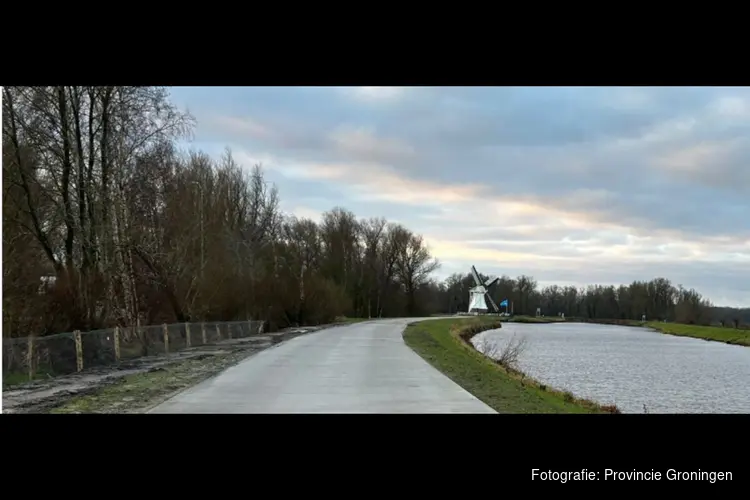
[
  {"x": 534, "y": 319},
  {"x": 716, "y": 333},
  {"x": 444, "y": 344},
  {"x": 134, "y": 393}
]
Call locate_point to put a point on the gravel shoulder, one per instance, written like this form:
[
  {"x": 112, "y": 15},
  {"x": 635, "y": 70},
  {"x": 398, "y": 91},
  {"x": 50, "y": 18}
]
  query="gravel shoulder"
[{"x": 140, "y": 384}]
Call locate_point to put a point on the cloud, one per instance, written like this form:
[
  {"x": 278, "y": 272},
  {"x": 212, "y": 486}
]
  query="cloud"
[
  {"x": 307, "y": 213},
  {"x": 375, "y": 94},
  {"x": 359, "y": 143},
  {"x": 572, "y": 184}
]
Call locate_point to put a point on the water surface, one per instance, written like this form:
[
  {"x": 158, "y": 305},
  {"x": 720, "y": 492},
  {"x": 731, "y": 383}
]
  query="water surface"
[{"x": 635, "y": 368}]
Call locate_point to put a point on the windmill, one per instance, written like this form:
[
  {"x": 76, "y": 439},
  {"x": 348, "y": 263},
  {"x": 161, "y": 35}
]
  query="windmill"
[{"x": 478, "y": 294}]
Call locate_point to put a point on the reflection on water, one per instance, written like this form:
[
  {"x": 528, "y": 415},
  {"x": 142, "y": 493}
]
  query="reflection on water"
[{"x": 634, "y": 368}]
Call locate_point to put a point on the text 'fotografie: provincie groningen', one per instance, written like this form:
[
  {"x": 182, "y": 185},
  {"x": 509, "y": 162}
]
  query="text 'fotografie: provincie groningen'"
[{"x": 634, "y": 475}]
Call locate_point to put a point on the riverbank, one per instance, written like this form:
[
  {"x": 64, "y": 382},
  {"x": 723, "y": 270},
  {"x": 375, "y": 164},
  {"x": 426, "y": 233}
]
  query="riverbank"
[
  {"x": 445, "y": 344},
  {"x": 726, "y": 335},
  {"x": 533, "y": 319}
]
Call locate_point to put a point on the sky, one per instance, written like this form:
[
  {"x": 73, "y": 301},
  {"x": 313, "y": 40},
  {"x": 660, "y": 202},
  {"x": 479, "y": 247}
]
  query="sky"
[{"x": 571, "y": 185}]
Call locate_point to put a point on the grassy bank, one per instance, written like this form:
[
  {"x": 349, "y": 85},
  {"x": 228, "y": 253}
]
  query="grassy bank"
[
  {"x": 534, "y": 319},
  {"x": 716, "y": 333},
  {"x": 724, "y": 334},
  {"x": 443, "y": 344},
  {"x": 616, "y": 322}
]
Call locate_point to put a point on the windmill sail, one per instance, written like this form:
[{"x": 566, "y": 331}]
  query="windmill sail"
[
  {"x": 476, "y": 276},
  {"x": 491, "y": 282},
  {"x": 494, "y": 306}
]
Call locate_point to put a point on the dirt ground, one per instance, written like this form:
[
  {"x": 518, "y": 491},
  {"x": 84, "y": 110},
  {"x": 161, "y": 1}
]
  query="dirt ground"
[{"x": 140, "y": 384}]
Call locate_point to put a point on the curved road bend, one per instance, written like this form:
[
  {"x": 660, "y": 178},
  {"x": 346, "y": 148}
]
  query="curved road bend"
[{"x": 361, "y": 368}]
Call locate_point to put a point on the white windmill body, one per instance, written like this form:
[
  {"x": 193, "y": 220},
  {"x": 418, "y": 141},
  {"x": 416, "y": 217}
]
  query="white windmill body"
[
  {"x": 479, "y": 297},
  {"x": 476, "y": 300}
]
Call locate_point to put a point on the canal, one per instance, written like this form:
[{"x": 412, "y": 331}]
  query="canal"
[{"x": 637, "y": 369}]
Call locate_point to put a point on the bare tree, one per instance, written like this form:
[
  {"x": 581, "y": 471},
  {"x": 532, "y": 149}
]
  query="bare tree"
[{"x": 506, "y": 354}]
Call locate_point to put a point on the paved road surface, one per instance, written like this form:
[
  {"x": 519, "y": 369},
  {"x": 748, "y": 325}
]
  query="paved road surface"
[{"x": 362, "y": 368}]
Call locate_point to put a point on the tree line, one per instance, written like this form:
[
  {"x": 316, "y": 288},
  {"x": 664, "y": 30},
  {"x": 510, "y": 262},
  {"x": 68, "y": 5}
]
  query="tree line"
[
  {"x": 657, "y": 299},
  {"x": 106, "y": 222}
]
